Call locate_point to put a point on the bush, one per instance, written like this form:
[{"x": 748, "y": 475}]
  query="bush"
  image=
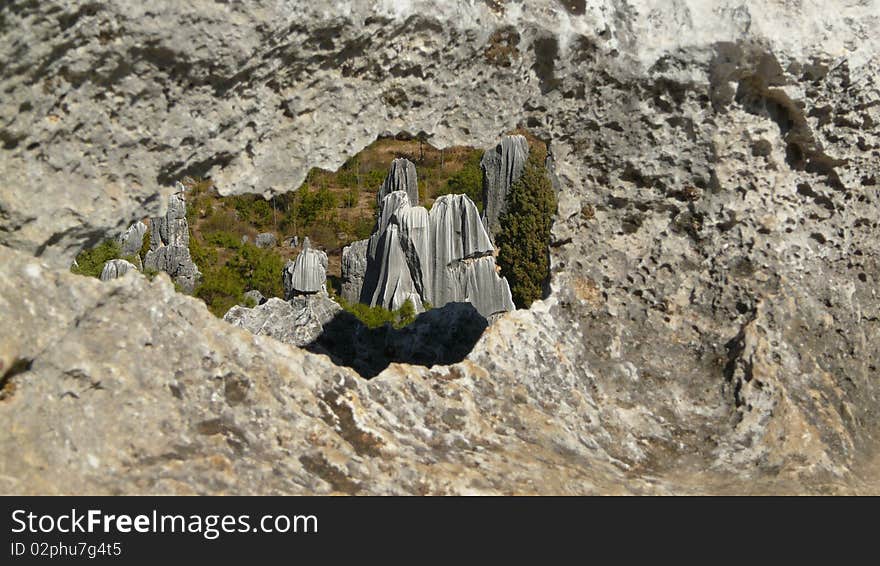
[
  {"x": 145, "y": 245},
  {"x": 374, "y": 317},
  {"x": 524, "y": 236},
  {"x": 221, "y": 289},
  {"x": 260, "y": 269},
  {"x": 91, "y": 262}
]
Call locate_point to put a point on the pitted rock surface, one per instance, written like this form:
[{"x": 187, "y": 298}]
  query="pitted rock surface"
[{"x": 712, "y": 319}]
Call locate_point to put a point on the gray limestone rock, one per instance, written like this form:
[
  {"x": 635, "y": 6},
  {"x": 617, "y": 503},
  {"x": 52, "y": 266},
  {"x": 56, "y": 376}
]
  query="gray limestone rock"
[
  {"x": 116, "y": 268},
  {"x": 354, "y": 268},
  {"x": 266, "y": 240},
  {"x": 394, "y": 284},
  {"x": 307, "y": 274},
  {"x": 131, "y": 241},
  {"x": 456, "y": 234},
  {"x": 430, "y": 256},
  {"x": 169, "y": 244},
  {"x": 401, "y": 177},
  {"x": 712, "y": 319},
  {"x": 298, "y": 321},
  {"x": 415, "y": 239},
  {"x": 502, "y": 166}
]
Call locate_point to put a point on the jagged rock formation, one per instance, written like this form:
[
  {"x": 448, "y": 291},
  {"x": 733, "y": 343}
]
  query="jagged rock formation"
[
  {"x": 462, "y": 265},
  {"x": 713, "y": 316},
  {"x": 116, "y": 268},
  {"x": 298, "y": 321},
  {"x": 502, "y": 166},
  {"x": 401, "y": 177},
  {"x": 420, "y": 256},
  {"x": 306, "y": 275},
  {"x": 266, "y": 240},
  {"x": 131, "y": 240},
  {"x": 169, "y": 244},
  {"x": 393, "y": 282},
  {"x": 354, "y": 268}
]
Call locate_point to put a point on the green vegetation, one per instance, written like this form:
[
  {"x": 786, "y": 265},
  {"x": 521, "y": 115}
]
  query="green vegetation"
[
  {"x": 374, "y": 317},
  {"x": 230, "y": 268},
  {"x": 525, "y": 231},
  {"x": 91, "y": 262}
]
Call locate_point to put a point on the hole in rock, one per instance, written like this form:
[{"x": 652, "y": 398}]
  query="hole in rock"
[{"x": 406, "y": 253}]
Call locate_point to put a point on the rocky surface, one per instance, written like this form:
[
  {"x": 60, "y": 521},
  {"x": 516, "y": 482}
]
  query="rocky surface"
[
  {"x": 401, "y": 177},
  {"x": 266, "y": 240},
  {"x": 502, "y": 166},
  {"x": 392, "y": 285},
  {"x": 461, "y": 266},
  {"x": 298, "y": 321},
  {"x": 169, "y": 244},
  {"x": 307, "y": 274},
  {"x": 442, "y": 256},
  {"x": 354, "y": 268},
  {"x": 713, "y": 318},
  {"x": 116, "y": 268},
  {"x": 131, "y": 241}
]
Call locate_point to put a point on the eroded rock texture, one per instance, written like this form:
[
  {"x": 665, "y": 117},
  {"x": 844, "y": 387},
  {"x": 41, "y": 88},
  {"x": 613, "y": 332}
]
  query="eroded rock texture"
[
  {"x": 116, "y": 268},
  {"x": 298, "y": 321},
  {"x": 713, "y": 316},
  {"x": 354, "y": 268},
  {"x": 131, "y": 241},
  {"x": 169, "y": 244},
  {"x": 442, "y": 256},
  {"x": 307, "y": 274},
  {"x": 401, "y": 177},
  {"x": 502, "y": 166}
]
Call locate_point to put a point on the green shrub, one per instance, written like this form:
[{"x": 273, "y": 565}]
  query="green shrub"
[
  {"x": 145, "y": 245},
  {"x": 221, "y": 289},
  {"x": 374, "y": 317},
  {"x": 91, "y": 262},
  {"x": 202, "y": 255},
  {"x": 524, "y": 236},
  {"x": 223, "y": 239},
  {"x": 259, "y": 269}
]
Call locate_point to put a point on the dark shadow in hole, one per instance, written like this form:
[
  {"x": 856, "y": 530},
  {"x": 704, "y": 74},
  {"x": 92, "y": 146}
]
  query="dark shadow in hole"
[{"x": 444, "y": 335}]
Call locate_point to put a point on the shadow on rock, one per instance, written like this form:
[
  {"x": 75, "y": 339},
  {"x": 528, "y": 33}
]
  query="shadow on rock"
[{"x": 443, "y": 335}]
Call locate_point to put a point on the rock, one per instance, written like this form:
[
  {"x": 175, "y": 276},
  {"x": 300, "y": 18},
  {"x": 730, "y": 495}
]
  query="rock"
[
  {"x": 485, "y": 289},
  {"x": 394, "y": 285},
  {"x": 354, "y": 268},
  {"x": 415, "y": 239},
  {"x": 712, "y": 319},
  {"x": 388, "y": 206},
  {"x": 116, "y": 268},
  {"x": 298, "y": 321},
  {"x": 423, "y": 256},
  {"x": 266, "y": 240},
  {"x": 292, "y": 242},
  {"x": 502, "y": 166},
  {"x": 245, "y": 239},
  {"x": 255, "y": 296},
  {"x": 169, "y": 244},
  {"x": 131, "y": 241},
  {"x": 456, "y": 234},
  {"x": 308, "y": 274},
  {"x": 401, "y": 177}
]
